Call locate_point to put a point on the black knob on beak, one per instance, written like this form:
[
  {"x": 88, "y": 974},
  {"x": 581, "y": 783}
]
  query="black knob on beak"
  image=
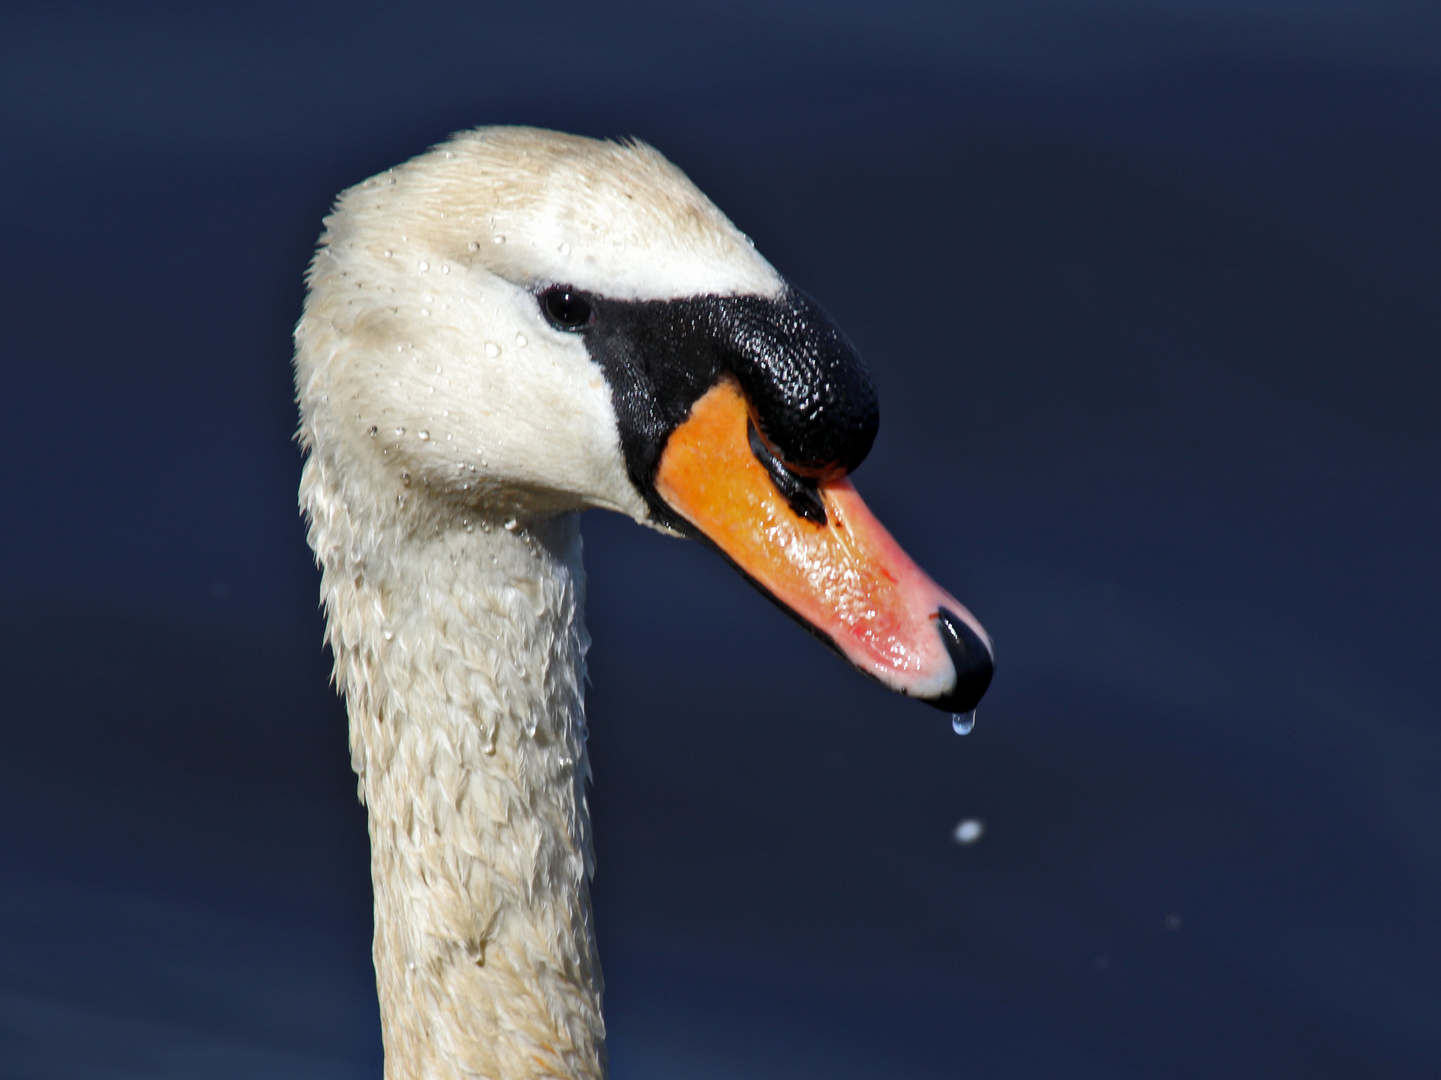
[{"x": 972, "y": 660}]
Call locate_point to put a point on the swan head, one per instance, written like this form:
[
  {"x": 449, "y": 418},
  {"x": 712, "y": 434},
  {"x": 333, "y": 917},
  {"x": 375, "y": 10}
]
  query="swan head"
[{"x": 519, "y": 323}]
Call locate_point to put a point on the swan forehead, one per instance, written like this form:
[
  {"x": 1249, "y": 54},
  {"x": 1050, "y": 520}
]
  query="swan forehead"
[{"x": 537, "y": 207}]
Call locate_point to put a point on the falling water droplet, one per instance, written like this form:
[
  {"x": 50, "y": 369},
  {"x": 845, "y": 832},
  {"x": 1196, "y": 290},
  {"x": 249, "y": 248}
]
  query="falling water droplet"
[
  {"x": 963, "y": 722},
  {"x": 968, "y": 831}
]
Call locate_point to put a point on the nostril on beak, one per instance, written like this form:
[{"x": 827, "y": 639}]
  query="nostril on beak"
[{"x": 972, "y": 660}]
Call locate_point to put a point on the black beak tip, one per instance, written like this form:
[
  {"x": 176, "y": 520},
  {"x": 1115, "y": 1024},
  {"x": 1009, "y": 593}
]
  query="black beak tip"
[{"x": 973, "y": 663}]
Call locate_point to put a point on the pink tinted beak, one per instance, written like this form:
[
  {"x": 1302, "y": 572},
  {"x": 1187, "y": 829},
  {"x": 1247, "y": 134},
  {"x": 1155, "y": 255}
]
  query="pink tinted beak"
[{"x": 840, "y": 572}]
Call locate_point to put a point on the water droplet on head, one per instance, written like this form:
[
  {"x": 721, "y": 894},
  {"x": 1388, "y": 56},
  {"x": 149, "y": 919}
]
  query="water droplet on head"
[
  {"x": 424, "y": 266},
  {"x": 520, "y": 340},
  {"x": 374, "y": 431},
  {"x": 510, "y": 524},
  {"x": 499, "y": 239},
  {"x": 389, "y": 636},
  {"x": 963, "y": 722},
  {"x": 388, "y": 253},
  {"x": 968, "y": 831},
  {"x": 445, "y": 269},
  {"x": 492, "y": 349},
  {"x": 565, "y": 249},
  {"x": 474, "y": 245},
  {"x": 425, "y": 436}
]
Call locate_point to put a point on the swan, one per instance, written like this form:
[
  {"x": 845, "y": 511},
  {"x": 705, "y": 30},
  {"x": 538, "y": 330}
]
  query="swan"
[{"x": 513, "y": 327}]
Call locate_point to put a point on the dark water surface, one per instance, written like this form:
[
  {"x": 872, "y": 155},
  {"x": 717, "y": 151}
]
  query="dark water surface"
[{"x": 1150, "y": 291}]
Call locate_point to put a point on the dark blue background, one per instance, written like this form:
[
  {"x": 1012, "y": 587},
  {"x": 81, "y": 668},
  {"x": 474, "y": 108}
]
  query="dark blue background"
[{"x": 1150, "y": 290}]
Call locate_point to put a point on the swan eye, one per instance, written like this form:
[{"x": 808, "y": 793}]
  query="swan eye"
[{"x": 565, "y": 308}]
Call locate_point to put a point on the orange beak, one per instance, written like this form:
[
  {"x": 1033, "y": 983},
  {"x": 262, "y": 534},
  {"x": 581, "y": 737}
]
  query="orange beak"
[{"x": 838, "y": 571}]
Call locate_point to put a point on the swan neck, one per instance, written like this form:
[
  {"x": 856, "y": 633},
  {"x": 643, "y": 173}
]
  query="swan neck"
[{"x": 461, "y": 656}]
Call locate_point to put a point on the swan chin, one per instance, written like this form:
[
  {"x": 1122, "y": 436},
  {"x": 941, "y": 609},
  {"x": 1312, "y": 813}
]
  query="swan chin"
[{"x": 511, "y": 328}]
